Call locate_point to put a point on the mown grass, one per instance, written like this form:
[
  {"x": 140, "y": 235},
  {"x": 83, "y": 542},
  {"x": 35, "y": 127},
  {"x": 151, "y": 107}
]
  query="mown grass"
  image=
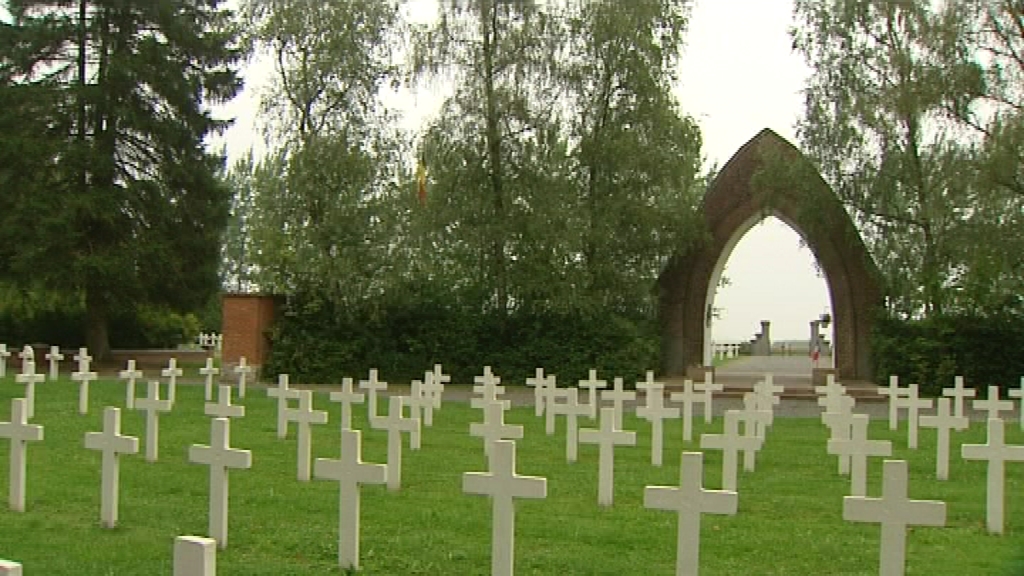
[{"x": 789, "y": 521}]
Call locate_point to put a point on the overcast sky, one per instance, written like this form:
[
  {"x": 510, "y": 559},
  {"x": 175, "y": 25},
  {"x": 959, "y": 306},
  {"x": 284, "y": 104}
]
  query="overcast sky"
[{"x": 738, "y": 76}]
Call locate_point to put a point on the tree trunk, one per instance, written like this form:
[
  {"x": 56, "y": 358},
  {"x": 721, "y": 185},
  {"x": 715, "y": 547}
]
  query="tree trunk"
[{"x": 97, "y": 333}]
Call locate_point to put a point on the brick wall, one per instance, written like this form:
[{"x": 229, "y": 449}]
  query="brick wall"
[{"x": 246, "y": 323}]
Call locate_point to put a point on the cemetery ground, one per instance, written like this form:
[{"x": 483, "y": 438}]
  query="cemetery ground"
[{"x": 789, "y": 519}]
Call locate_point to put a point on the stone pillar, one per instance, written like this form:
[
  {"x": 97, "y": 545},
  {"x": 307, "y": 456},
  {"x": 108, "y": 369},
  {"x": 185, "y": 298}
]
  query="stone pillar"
[{"x": 246, "y": 324}]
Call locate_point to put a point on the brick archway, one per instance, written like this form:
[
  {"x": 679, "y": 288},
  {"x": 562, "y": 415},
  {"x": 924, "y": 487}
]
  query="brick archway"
[{"x": 733, "y": 203}]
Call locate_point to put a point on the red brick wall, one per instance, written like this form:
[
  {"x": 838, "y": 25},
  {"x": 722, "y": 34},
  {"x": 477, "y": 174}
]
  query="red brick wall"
[{"x": 246, "y": 323}]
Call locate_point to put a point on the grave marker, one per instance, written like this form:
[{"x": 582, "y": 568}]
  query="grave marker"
[
  {"x": 688, "y": 398},
  {"x": 914, "y": 405},
  {"x": 839, "y": 424},
  {"x": 655, "y": 411},
  {"x": 10, "y": 568},
  {"x": 83, "y": 376},
  {"x": 572, "y": 410},
  {"x": 1019, "y": 394},
  {"x": 172, "y": 372},
  {"x": 152, "y": 405},
  {"x": 730, "y": 442},
  {"x": 493, "y": 427},
  {"x": 220, "y": 457},
  {"x": 195, "y": 556},
  {"x": 223, "y": 408},
  {"x": 502, "y": 484},
  {"x": 552, "y": 399},
  {"x": 437, "y": 381},
  {"x": 708, "y": 388},
  {"x": 283, "y": 393},
  {"x": 395, "y": 423},
  {"x": 54, "y": 357},
  {"x": 30, "y": 378},
  {"x": 753, "y": 420},
  {"x": 894, "y": 511},
  {"x": 4, "y": 355},
  {"x": 607, "y": 437},
  {"x": 421, "y": 403},
  {"x": 858, "y": 448},
  {"x": 487, "y": 386},
  {"x": 130, "y": 374},
  {"x": 993, "y": 405},
  {"x": 243, "y": 370},
  {"x": 894, "y": 392},
  {"x": 592, "y": 384},
  {"x": 690, "y": 500},
  {"x": 28, "y": 354},
  {"x": 998, "y": 453},
  {"x": 305, "y": 415},
  {"x": 350, "y": 472},
  {"x": 112, "y": 444},
  {"x": 618, "y": 397},
  {"x": 208, "y": 371},
  {"x": 943, "y": 422},
  {"x": 19, "y": 432},
  {"x": 959, "y": 394},
  {"x": 541, "y": 385},
  {"x": 347, "y": 397},
  {"x": 372, "y": 386}
]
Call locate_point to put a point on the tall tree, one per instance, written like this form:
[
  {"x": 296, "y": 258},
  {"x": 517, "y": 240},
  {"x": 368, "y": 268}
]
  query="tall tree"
[{"x": 131, "y": 209}]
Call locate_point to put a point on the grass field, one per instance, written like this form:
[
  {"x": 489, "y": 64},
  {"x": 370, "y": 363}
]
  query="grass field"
[{"x": 789, "y": 521}]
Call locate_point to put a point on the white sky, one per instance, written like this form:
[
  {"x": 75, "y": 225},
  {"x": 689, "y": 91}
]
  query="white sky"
[{"x": 738, "y": 76}]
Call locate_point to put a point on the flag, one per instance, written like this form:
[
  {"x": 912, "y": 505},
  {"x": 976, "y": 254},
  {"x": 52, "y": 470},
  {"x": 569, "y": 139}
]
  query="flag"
[{"x": 421, "y": 183}]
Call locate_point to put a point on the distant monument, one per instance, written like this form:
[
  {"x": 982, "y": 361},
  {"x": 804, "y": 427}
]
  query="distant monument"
[{"x": 761, "y": 345}]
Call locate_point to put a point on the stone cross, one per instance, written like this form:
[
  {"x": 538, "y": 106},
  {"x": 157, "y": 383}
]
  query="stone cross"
[
  {"x": 223, "y": 408},
  {"x": 349, "y": 472},
  {"x": 10, "y": 568},
  {"x": 997, "y": 452},
  {"x": 152, "y": 405},
  {"x": 914, "y": 405},
  {"x": 754, "y": 420},
  {"x": 618, "y": 397},
  {"x": 347, "y": 397},
  {"x": 437, "y": 381},
  {"x": 130, "y": 374},
  {"x": 830, "y": 395},
  {"x": 243, "y": 370},
  {"x": 858, "y": 448},
  {"x": 839, "y": 424},
  {"x": 688, "y": 398},
  {"x": 943, "y": 422},
  {"x": 305, "y": 415},
  {"x": 655, "y": 412},
  {"x": 541, "y": 385},
  {"x": 730, "y": 443},
  {"x": 195, "y": 556},
  {"x": 592, "y": 384},
  {"x": 112, "y": 444},
  {"x": 993, "y": 405},
  {"x": 372, "y": 386},
  {"x": 572, "y": 410},
  {"x": 4, "y": 355},
  {"x": 959, "y": 394},
  {"x": 502, "y": 484},
  {"x": 552, "y": 397},
  {"x": 30, "y": 378},
  {"x": 209, "y": 371},
  {"x": 220, "y": 457},
  {"x": 83, "y": 376},
  {"x": 894, "y": 511},
  {"x": 28, "y": 354},
  {"x": 421, "y": 403},
  {"x": 894, "y": 392},
  {"x": 493, "y": 427},
  {"x": 690, "y": 500},
  {"x": 395, "y": 423},
  {"x": 487, "y": 386},
  {"x": 607, "y": 438},
  {"x": 708, "y": 388},
  {"x": 172, "y": 372},
  {"x": 283, "y": 393},
  {"x": 1019, "y": 394},
  {"x": 19, "y": 432},
  {"x": 54, "y": 357}
]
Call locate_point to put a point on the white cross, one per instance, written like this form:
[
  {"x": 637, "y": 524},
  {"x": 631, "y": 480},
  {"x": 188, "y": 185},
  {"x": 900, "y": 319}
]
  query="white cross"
[
  {"x": 19, "y": 432},
  {"x": 541, "y": 386},
  {"x": 30, "y": 378},
  {"x": 572, "y": 410},
  {"x": 618, "y": 397},
  {"x": 347, "y": 397},
  {"x": 83, "y": 376},
  {"x": 112, "y": 444},
  {"x": 894, "y": 511},
  {"x": 195, "y": 556},
  {"x": 592, "y": 384},
  {"x": 152, "y": 405},
  {"x": 1019, "y": 394},
  {"x": 209, "y": 371},
  {"x": 943, "y": 422},
  {"x": 607, "y": 438},
  {"x": 754, "y": 420},
  {"x": 997, "y": 452},
  {"x": 4, "y": 355},
  {"x": 395, "y": 423},
  {"x": 731, "y": 443},
  {"x": 305, "y": 415},
  {"x": 551, "y": 399},
  {"x": 958, "y": 393},
  {"x": 349, "y": 471},
  {"x": 839, "y": 424},
  {"x": 437, "y": 381},
  {"x": 487, "y": 386},
  {"x": 372, "y": 386},
  {"x": 502, "y": 484},
  {"x": 220, "y": 457},
  {"x": 766, "y": 399},
  {"x": 893, "y": 392},
  {"x": 690, "y": 500},
  {"x": 131, "y": 375},
  {"x": 242, "y": 370},
  {"x": 223, "y": 408},
  {"x": 830, "y": 394},
  {"x": 283, "y": 393},
  {"x": 10, "y": 568},
  {"x": 708, "y": 388},
  {"x": 421, "y": 403},
  {"x": 993, "y": 405},
  {"x": 857, "y": 448},
  {"x": 655, "y": 412},
  {"x": 172, "y": 372},
  {"x": 54, "y": 356},
  {"x": 493, "y": 427},
  {"x": 914, "y": 405},
  {"x": 688, "y": 398},
  {"x": 28, "y": 354}
]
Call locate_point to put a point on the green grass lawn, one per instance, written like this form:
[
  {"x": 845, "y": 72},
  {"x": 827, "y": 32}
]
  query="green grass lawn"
[{"x": 789, "y": 521}]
